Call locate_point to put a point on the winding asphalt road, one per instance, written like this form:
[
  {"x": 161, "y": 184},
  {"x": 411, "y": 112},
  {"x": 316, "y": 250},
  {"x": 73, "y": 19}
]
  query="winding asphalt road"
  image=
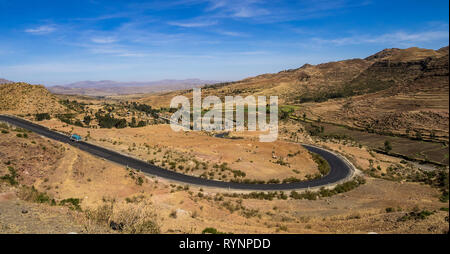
[{"x": 340, "y": 170}]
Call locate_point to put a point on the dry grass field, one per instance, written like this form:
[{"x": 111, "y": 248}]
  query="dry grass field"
[
  {"x": 111, "y": 193},
  {"x": 198, "y": 153}
]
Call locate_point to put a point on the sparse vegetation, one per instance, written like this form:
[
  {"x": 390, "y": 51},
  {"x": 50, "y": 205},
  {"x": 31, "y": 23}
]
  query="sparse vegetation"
[
  {"x": 42, "y": 116},
  {"x": 416, "y": 215},
  {"x": 211, "y": 231},
  {"x": 322, "y": 164},
  {"x": 11, "y": 178},
  {"x": 73, "y": 203}
]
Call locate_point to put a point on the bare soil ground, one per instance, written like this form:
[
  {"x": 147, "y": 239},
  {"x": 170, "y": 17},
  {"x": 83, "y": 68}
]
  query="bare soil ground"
[
  {"x": 112, "y": 193},
  {"x": 162, "y": 146},
  {"x": 21, "y": 217}
]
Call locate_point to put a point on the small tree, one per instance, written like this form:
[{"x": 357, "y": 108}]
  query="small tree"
[
  {"x": 42, "y": 116},
  {"x": 387, "y": 146},
  {"x": 87, "y": 120}
]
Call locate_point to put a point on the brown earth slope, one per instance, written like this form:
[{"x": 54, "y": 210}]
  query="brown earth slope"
[
  {"x": 402, "y": 91},
  {"x": 23, "y": 98},
  {"x": 415, "y": 105},
  {"x": 109, "y": 193}
]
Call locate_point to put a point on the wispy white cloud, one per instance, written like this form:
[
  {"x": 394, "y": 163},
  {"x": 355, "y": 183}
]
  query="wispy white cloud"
[
  {"x": 113, "y": 50},
  {"x": 251, "y": 53},
  {"x": 104, "y": 40},
  {"x": 44, "y": 29},
  {"x": 188, "y": 24},
  {"x": 64, "y": 67},
  {"x": 237, "y": 8},
  {"x": 231, "y": 33},
  {"x": 400, "y": 38}
]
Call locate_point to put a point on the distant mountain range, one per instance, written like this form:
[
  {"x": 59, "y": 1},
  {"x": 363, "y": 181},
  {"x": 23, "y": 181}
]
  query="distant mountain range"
[
  {"x": 110, "y": 87},
  {"x": 5, "y": 81}
]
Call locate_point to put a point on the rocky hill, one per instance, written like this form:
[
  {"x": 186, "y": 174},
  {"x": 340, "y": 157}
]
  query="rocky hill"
[
  {"x": 408, "y": 95},
  {"x": 23, "y": 98},
  {"x": 396, "y": 91}
]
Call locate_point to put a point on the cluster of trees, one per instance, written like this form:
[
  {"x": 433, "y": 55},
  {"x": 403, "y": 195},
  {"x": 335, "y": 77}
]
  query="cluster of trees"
[
  {"x": 73, "y": 105},
  {"x": 135, "y": 124},
  {"x": 321, "y": 96},
  {"x": 107, "y": 121},
  {"x": 316, "y": 130},
  {"x": 217, "y": 85},
  {"x": 42, "y": 116},
  {"x": 66, "y": 118},
  {"x": 146, "y": 108},
  {"x": 353, "y": 88}
]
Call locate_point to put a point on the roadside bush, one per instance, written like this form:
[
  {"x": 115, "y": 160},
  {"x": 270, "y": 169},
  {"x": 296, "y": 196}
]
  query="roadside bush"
[
  {"x": 350, "y": 185},
  {"x": 42, "y": 116},
  {"x": 309, "y": 195},
  {"x": 66, "y": 118},
  {"x": 78, "y": 123},
  {"x": 211, "y": 231},
  {"x": 322, "y": 164}
]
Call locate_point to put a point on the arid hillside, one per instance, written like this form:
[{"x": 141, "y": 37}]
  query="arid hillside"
[
  {"x": 416, "y": 104},
  {"x": 23, "y": 98},
  {"x": 60, "y": 189},
  {"x": 398, "y": 91}
]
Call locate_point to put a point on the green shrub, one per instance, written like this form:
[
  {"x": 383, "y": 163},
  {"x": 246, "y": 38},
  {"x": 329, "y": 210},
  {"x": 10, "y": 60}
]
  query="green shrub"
[
  {"x": 323, "y": 166},
  {"x": 11, "y": 178},
  {"x": 390, "y": 210},
  {"x": 107, "y": 121},
  {"x": 74, "y": 203},
  {"x": 33, "y": 195},
  {"x": 420, "y": 215},
  {"x": 173, "y": 214},
  {"x": 211, "y": 231},
  {"x": 66, "y": 118},
  {"x": 42, "y": 116}
]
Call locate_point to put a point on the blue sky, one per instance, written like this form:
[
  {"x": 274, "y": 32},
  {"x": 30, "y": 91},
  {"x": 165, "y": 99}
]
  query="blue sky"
[{"x": 58, "y": 42}]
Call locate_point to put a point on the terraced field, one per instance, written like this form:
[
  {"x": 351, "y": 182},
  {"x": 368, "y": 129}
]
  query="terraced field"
[{"x": 416, "y": 149}]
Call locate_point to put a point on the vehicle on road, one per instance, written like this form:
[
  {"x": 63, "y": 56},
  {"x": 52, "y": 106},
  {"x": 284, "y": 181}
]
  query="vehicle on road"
[{"x": 75, "y": 137}]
